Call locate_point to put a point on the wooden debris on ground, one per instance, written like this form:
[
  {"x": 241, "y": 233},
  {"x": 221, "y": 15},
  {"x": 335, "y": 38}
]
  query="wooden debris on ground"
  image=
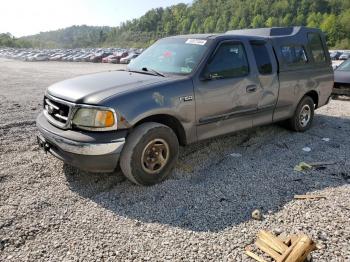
[
  {"x": 326, "y": 163},
  {"x": 311, "y": 197},
  {"x": 294, "y": 248},
  {"x": 303, "y": 166}
]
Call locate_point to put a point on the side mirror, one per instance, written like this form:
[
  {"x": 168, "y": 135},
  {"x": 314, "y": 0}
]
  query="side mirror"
[{"x": 206, "y": 76}]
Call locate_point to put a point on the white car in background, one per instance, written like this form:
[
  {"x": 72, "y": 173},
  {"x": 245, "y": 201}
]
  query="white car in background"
[
  {"x": 41, "y": 57},
  {"x": 127, "y": 59},
  {"x": 345, "y": 56}
]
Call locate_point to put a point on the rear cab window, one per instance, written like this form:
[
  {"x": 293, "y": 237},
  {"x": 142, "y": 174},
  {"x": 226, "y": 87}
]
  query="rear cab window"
[
  {"x": 316, "y": 47},
  {"x": 262, "y": 58}
]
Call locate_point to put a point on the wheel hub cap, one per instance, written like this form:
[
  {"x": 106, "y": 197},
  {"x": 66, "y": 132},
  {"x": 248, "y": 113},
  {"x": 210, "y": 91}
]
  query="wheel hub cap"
[
  {"x": 305, "y": 115},
  {"x": 155, "y": 156}
]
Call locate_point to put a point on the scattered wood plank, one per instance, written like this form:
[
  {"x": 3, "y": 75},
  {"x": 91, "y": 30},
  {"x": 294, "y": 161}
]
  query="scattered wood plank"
[
  {"x": 313, "y": 197},
  {"x": 288, "y": 240},
  {"x": 289, "y": 250},
  {"x": 326, "y": 163},
  {"x": 300, "y": 251},
  {"x": 294, "y": 248},
  {"x": 254, "y": 256},
  {"x": 272, "y": 241},
  {"x": 267, "y": 249}
]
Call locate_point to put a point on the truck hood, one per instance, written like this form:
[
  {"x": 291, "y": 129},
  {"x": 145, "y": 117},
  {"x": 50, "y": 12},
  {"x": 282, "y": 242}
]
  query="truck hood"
[{"x": 93, "y": 88}]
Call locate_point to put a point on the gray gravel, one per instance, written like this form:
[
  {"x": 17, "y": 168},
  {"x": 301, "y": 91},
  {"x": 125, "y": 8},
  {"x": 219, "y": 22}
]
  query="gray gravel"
[{"x": 52, "y": 212}]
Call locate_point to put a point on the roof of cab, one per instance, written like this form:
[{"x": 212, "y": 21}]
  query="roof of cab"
[
  {"x": 215, "y": 36},
  {"x": 196, "y": 36},
  {"x": 257, "y": 33},
  {"x": 273, "y": 32}
]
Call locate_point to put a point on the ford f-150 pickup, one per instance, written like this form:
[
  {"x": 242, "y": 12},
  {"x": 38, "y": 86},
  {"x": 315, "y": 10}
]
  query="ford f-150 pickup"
[{"x": 181, "y": 90}]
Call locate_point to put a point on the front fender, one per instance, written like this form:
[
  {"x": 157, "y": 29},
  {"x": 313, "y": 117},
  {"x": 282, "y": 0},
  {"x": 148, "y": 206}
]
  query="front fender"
[{"x": 159, "y": 99}]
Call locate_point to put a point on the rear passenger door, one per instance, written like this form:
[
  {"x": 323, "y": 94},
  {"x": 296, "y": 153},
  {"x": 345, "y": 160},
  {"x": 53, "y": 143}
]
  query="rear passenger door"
[
  {"x": 226, "y": 93},
  {"x": 268, "y": 81}
]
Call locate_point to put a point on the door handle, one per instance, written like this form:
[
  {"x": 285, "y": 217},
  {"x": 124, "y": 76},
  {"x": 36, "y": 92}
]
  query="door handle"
[{"x": 251, "y": 88}]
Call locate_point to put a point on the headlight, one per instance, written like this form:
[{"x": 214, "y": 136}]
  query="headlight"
[{"x": 91, "y": 118}]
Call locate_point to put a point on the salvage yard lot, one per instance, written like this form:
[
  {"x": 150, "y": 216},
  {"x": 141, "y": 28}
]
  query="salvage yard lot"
[{"x": 49, "y": 211}]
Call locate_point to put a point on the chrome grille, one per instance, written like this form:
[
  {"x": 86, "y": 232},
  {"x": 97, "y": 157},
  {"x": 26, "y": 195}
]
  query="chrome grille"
[{"x": 57, "y": 111}]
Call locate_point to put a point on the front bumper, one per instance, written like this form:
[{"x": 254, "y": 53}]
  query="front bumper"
[{"x": 89, "y": 151}]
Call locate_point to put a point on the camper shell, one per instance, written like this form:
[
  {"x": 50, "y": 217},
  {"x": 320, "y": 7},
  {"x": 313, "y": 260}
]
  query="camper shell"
[{"x": 281, "y": 37}]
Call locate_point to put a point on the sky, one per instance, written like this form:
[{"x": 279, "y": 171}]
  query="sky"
[{"x": 27, "y": 17}]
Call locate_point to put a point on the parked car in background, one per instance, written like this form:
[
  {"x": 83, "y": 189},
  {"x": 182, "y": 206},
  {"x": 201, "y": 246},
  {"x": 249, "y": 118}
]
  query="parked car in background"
[
  {"x": 69, "y": 55},
  {"x": 127, "y": 59},
  {"x": 335, "y": 55},
  {"x": 185, "y": 89},
  {"x": 117, "y": 56},
  {"x": 106, "y": 59},
  {"x": 342, "y": 79},
  {"x": 344, "y": 56},
  {"x": 97, "y": 58}
]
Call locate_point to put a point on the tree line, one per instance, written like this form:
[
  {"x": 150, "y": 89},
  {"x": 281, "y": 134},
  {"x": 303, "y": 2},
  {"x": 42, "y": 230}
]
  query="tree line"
[
  {"x": 207, "y": 16},
  {"x": 214, "y": 16},
  {"x": 6, "y": 39},
  {"x": 71, "y": 37}
]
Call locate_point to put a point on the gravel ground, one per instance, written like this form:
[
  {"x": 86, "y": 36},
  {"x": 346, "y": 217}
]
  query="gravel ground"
[{"x": 52, "y": 212}]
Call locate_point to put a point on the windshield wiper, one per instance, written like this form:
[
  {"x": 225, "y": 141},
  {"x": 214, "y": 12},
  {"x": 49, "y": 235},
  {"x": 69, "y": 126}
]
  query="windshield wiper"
[
  {"x": 153, "y": 71},
  {"x": 145, "y": 72}
]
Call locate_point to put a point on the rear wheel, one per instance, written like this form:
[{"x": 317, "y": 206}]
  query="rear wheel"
[
  {"x": 149, "y": 154},
  {"x": 303, "y": 116}
]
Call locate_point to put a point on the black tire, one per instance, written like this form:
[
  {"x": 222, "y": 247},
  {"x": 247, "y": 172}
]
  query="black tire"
[
  {"x": 298, "y": 122},
  {"x": 137, "y": 144}
]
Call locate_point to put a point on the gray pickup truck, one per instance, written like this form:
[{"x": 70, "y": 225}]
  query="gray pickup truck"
[{"x": 181, "y": 90}]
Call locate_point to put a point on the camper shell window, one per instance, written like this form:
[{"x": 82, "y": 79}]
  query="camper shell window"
[
  {"x": 294, "y": 54},
  {"x": 316, "y": 47}
]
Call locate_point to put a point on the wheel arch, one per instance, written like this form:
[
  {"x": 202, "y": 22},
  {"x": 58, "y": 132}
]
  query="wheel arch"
[
  {"x": 314, "y": 95},
  {"x": 168, "y": 120}
]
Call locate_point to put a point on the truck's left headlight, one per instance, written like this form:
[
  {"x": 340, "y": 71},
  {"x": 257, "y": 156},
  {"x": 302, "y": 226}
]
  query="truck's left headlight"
[{"x": 91, "y": 118}]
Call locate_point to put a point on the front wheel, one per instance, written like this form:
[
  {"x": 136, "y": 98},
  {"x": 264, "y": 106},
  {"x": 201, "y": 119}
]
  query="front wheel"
[
  {"x": 303, "y": 116},
  {"x": 149, "y": 154}
]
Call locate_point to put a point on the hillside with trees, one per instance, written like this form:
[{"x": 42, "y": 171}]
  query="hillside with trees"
[
  {"x": 9, "y": 41},
  {"x": 71, "y": 37},
  {"x": 208, "y": 16}
]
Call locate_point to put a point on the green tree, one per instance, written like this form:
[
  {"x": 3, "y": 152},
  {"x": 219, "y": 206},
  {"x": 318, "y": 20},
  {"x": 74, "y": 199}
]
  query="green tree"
[
  {"x": 194, "y": 26},
  {"x": 234, "y": 22},
  {"x": 209, "y": 25},
  {"x": 258, "y": 21},
  {"x": 314, "y": 20},
  {"x": 330, "y": 25},
  {"x": 220, "y": 25},
  {"x": 300, "y": 19},
  {"x": 271, "y": 21},
  {"x": 242, "y": 23}
]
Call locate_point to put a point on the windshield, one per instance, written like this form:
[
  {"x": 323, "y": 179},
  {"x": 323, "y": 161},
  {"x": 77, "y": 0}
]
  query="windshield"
[
  {"x": 171, "y": 55},
  {"x": 345, "y": 66}
]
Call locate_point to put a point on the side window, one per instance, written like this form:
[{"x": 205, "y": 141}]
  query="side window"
[
  {"x": 230, "y": 60},
  {"x": 294, "y": 54},
  {"x": 262, "y": 58},
  {"x": 316, "y": 47}
]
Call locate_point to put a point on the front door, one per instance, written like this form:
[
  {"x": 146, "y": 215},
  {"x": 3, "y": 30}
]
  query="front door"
[{"x": 227, "y": 92}]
